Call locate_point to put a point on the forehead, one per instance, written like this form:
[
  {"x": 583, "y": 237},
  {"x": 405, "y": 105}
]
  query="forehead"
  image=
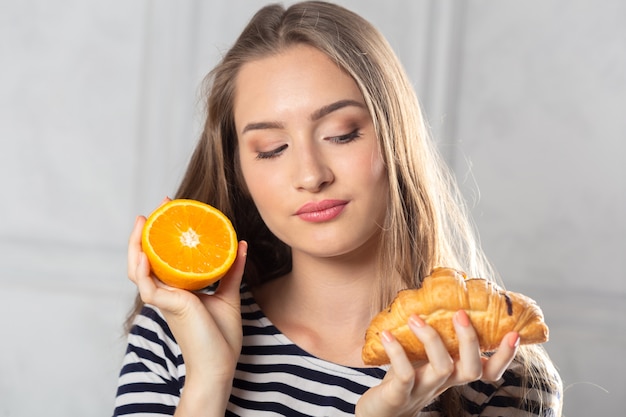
[{"x": 299, "y": 77}]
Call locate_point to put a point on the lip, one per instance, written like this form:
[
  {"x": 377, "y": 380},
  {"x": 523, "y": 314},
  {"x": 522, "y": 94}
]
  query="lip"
[{"x": 321, "y": 211}]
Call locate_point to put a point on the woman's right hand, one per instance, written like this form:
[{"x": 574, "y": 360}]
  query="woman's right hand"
[{"x": 206, "y": 327}]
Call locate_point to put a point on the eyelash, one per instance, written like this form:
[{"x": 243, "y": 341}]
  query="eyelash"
[
  {"x": 271, "y": 154},
  {"x": 343, "y": 139},
  {"x": 355, "y": 134}
]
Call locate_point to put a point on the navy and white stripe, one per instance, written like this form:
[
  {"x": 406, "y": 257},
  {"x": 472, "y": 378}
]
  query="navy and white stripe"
[
  {"x": 273, "y": 367},
  {"x": 274, "y": 377}
]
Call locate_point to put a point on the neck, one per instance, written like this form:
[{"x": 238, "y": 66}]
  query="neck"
[
  {"x": 328, "y": 287},
  {"x": 324, "y": 304}
]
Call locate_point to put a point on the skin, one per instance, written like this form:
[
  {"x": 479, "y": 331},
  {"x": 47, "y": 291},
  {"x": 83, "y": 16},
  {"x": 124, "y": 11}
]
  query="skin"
[
  {"x": 297, "y": 146},
  {"x": 314, "y": 158}
]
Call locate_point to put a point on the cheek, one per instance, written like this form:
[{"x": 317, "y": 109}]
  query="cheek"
[
  {"x": 373, "y": 170},
  {"x": 252, "y": 182},
  {"x": 262, "y": 185},
  {"x": 378, "y": 169},
  {"x": 379, "y": 184}
]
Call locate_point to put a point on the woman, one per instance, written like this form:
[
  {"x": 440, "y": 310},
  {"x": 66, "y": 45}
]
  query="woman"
[{"x": 315, "y": 147}]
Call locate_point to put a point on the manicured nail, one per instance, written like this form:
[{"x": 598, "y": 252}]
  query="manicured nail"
[
  {"x": 514, "y": 340},
  {"x": 462, "y": 318},
  {"x": 416, "y": 321},
  {"x": 387, "y": 336}
]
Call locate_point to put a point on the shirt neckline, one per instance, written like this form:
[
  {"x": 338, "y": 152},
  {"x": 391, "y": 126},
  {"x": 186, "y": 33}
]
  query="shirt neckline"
[{"x": 264, "y": 321}]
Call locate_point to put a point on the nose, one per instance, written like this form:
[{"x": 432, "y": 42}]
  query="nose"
[{"x": 312, "y": 172}]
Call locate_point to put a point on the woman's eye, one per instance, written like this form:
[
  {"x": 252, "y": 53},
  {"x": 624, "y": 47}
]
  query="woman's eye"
[
  {"x": 271, "y": 154},
  {"x": 346, "y": 138}
]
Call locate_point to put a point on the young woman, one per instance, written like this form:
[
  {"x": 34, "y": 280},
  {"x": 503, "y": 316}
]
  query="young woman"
[{"x": 315, "y": 147}]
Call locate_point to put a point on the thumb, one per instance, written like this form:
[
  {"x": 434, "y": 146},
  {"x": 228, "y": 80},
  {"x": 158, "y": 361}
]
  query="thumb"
[{"x": 230, "y": 283}]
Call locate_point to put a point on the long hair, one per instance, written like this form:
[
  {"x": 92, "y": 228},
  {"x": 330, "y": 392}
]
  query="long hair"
[{"x": 426, "y": 223}]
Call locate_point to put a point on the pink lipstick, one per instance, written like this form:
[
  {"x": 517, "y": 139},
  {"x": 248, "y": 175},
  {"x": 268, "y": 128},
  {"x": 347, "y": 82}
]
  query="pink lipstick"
[{"x": 321, "y": 211}]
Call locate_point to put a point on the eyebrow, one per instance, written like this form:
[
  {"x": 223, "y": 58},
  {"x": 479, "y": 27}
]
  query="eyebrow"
[
  {"x": 316, "y": 115},
  {"x": 262, "y": 125}
]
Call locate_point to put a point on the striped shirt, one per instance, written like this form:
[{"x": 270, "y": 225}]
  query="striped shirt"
[{"x": 274, "y": 377}]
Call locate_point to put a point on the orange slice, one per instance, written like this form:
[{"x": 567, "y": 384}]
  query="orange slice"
[{"x": 189, "y": 244}]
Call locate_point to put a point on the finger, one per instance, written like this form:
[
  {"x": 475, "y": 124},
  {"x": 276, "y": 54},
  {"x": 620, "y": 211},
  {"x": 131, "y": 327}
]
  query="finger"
[
  {"x": 156, "y": 292},
  {"x": 142, "y": 278},
  {"x": 495, "y": 366},
  {"x": 403, "y": 371},
  {"x": 134, "y": 242},
  {"x": 230, "y": 283},
  {"x": 134, "y": 246},
  {"x": 439, "y": 359},
  {"x": 469, "y": 367}
]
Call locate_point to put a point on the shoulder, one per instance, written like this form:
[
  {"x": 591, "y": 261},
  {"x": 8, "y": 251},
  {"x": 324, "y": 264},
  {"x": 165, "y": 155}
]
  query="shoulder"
[
  {"x": 151, "y": 324},
  {"x": 153, "y": 372},
  {"x": 150, "y": 339},
  {"x": 528, "y": 393},
  {"x": 150, "y": 329}
]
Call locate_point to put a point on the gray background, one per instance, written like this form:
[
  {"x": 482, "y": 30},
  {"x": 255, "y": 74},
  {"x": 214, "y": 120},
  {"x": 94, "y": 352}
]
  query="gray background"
[{"x": 99, "y": 111}]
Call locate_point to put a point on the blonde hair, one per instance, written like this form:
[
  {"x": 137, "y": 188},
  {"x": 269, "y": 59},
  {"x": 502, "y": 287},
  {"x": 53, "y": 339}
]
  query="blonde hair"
[{"x": 427, "y": 223}]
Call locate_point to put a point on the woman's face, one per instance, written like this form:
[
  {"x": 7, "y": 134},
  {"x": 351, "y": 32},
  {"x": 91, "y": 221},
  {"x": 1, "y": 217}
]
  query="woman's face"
[{"x": 309, "y": 154}]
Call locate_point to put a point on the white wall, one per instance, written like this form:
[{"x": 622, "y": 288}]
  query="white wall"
[
  {"x": 98, "y": 114},
  {"x": 539, "y": 115}
]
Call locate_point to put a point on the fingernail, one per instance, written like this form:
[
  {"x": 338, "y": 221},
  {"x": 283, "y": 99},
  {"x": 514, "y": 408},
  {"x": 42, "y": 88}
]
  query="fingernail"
[
  {"x": 138, "y": 225},
  {"x": 514, "y": 340},
  {"x": 462, "y": 318},
  {"x": 416, "y": 321},
  {"x": 387, "y": 336}
]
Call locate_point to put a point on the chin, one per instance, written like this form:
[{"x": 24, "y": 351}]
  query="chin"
[{"x": 339, "y": 247}]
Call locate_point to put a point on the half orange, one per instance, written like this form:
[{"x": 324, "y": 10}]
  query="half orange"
[{"x": 189, "y": 244}]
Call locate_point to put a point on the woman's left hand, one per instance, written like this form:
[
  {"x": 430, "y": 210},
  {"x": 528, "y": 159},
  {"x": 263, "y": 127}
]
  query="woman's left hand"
[{"x": 408, "y": 388}]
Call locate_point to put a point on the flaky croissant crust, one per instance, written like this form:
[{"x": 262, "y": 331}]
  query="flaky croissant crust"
[{"x": 492, "y": 311}]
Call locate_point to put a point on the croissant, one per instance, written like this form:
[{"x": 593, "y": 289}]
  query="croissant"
[{"x": 492, "y": 311}]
